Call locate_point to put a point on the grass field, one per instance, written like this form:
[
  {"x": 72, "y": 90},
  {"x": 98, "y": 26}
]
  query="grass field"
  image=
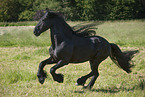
[{"x": 21, "y": 52}]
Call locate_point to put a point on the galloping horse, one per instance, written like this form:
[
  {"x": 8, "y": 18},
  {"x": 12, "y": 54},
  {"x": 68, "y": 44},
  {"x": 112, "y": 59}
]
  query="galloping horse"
[{"x": 68, "y": 47}]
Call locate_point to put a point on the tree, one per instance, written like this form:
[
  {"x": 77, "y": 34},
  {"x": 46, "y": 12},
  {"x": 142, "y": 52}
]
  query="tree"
[
  {"x": 27, "y": 12},
  {"x": 9, "y": 10}
]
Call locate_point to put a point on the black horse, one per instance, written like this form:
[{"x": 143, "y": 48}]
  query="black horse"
[{"x": 68, "y": 47}]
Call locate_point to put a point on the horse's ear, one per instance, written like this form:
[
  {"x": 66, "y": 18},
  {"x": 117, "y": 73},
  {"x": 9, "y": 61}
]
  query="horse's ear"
[{"x": 49, "y": 13}]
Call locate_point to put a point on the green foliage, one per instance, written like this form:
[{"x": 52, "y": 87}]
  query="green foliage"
[
  {"x": 20, "y": 10},
  {"x": 27, "y": 12},
  {"x": 9, "y": 10},
  {"x": 26, "y": 15},
  {"x": 26, "y": 4},
  {"x": 109, "y": 9},
  {"x": 43, "y": 4},
  {"x": 85, "y": 9},
  {"x": 122, "y": 9}
]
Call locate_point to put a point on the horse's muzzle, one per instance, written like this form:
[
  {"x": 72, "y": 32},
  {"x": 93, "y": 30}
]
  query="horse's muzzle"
[{"x": 36, "y": 33}]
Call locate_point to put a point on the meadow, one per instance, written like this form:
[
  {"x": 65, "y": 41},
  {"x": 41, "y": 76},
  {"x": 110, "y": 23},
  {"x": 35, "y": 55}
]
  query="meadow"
[{"x": 21, "y": 52}]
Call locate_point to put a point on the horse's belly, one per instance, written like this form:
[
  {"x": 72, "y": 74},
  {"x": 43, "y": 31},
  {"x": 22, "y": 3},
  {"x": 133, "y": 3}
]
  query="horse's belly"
[
  {"x": 82, "y": 55},
  {"x": 78, "y": 60}
]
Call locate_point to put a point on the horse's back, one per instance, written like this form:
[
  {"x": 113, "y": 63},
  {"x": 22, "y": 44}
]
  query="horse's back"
[{"x": 86, "y": 48}]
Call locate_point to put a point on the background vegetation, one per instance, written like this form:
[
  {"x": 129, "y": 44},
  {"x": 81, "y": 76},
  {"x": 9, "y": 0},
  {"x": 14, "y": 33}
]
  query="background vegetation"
[
  {"x": 28, "y": 10},
  {"x": 21, "y": 52}
]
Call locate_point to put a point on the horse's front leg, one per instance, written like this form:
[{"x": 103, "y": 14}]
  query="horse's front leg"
[
  {"x": 58, "y": 77},
  {"x": 41, "y": 74}
]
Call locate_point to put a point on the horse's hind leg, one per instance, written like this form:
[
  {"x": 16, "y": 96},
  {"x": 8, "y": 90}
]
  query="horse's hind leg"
[
  {"x": 94, "y": 67},
  {"x": 82, "y": 80},
  {"x": 94, "y": 73}
]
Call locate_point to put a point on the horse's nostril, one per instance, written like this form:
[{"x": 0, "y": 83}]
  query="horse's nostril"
[{"x": 34, "y": 32}]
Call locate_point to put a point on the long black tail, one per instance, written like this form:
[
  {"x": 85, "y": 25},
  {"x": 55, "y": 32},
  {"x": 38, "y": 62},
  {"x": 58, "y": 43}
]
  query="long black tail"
[{"x": 122, "y": 59}]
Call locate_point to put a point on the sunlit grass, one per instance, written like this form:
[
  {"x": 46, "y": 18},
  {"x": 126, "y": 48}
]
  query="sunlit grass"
[
  {"x": 24, "y": 23},
  {"x": 18, "y": 76},
  {"x": 123, "y": 33},
  {"x": 22, "y": 36}
]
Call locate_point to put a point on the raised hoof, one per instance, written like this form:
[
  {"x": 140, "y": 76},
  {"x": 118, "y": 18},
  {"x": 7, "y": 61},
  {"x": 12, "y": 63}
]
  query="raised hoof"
[
  {"x": 77, "y": 84},
  {"x": 42, "y": 77},
  {"x": 59, "y": 78}
]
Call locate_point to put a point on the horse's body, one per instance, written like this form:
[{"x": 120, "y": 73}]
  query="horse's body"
[
  {"x": 77, "y": 51},
  {"x": 68, "y": 47}
]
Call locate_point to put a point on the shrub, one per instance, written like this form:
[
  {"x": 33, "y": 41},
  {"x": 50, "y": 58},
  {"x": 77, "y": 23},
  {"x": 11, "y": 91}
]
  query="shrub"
[
  {"x": 26, "y": 15},
  {"x": 14, "y": 10},
  {"x": 9, "y": 10},
  {"x": 122, "y": 9}
]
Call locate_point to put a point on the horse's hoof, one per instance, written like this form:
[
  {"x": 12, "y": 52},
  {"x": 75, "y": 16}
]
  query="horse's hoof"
[
  {"x": 59, "y": 78},
  {"x": 80, "y": 81},
  {"x": 42, "y": 77},
  {"x": 77, "y": 84},
  {"x": 41, "y": 80}
]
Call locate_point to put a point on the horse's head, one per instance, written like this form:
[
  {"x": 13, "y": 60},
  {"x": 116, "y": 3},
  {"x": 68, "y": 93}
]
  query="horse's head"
[{"x": 45, "y": 22}]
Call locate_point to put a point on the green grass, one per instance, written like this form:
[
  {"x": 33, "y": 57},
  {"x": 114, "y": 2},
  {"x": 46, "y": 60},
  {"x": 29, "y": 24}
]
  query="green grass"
[
  {"x": 123, "y": 33},
  {"x": 22, "y": 36},
  {"x": 21, "y": 52},
  {"x": 25, "y": 23}
]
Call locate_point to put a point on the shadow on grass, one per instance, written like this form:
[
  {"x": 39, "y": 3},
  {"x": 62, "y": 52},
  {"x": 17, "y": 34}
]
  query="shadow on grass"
[
  {"x": 99, "y": 90},
  {"x": 106, "y": 90},
  {"x": 115, "y": 90},
  {"x": 139, "y": 86},
  {"x": 79, "y": 91}
]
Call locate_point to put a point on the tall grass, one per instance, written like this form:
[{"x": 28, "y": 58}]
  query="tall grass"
[
  {"x": 21, "y": 52},
  {"x": 19, "y": 65},
  {"x": 25, "y": 23},
  {"x": 22, "y": 36},
  {"x": 123, "y": 33}
]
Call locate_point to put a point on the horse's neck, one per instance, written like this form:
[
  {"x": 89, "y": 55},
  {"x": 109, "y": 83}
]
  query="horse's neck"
[{"x": 60, "y": 34}]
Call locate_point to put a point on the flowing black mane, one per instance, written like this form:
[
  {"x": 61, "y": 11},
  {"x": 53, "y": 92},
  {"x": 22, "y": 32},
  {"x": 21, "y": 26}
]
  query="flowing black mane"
[
  {"x": 85, "y": 30},
  {"x": 79, "y": 30}
]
